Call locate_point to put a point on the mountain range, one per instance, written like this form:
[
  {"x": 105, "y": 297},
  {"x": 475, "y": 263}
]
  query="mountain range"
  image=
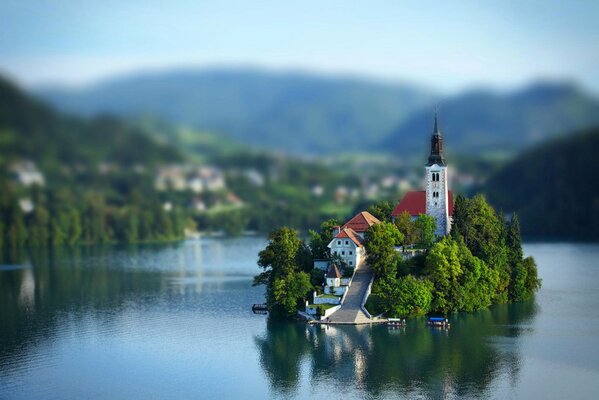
[{"x": 301, "y": 113}]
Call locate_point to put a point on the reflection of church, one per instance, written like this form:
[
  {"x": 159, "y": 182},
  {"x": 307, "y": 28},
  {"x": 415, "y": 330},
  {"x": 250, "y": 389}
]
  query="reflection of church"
[{"x": 436, "y": 200}]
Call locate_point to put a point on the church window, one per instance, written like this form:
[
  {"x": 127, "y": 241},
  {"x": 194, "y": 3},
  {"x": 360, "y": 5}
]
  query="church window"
[
  {"x": 338, "y": 242},
  {"x": 351, "y": 263},
  {"x": 346, "y": 242},
  {"x": 351, "y": 253},
  {"x": 343, "y": 253}
]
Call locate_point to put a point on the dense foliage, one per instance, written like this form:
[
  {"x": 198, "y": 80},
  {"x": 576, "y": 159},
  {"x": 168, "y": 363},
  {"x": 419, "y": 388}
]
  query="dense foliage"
[
  {"x": 80, "y": 202},
  {"x": 552, "y": 188},
  {"x": 479, "y": 264},
  {"x": 287, "y": 285},
  {"x": 61, "y": 217}
]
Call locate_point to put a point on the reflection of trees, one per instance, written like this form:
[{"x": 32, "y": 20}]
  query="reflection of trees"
[
  {"x": 417, "y": 361},
  {"x": 55, "y": 280},
  {"x": 281, "y": 352}
]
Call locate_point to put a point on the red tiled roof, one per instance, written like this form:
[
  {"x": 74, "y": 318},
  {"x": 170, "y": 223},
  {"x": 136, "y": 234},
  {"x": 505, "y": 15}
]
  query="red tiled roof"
[
  {"x": 415, "y": 204},
  {"x": 361, "y": 222},
  {"x": 333, "y": 272},
  {"x": 350, "y": 234}
]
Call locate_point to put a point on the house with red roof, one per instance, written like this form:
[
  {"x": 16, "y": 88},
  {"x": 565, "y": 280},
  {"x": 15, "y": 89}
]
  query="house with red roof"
[
  {"x": 348, "y": 239},
  {"x": 436, "y": 200}
]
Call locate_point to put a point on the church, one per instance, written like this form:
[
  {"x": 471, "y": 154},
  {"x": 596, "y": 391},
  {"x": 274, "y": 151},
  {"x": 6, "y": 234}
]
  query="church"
[{"x": 436, "y": 200}]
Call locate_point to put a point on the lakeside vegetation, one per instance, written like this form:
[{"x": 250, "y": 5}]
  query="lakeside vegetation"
[{"x": 479, "y": 264}]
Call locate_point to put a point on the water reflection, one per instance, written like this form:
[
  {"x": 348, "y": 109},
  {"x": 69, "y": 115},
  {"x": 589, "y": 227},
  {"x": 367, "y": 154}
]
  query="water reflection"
[
  {"x": 415, "y": 361},
  {"x": 42, "y": 288}
]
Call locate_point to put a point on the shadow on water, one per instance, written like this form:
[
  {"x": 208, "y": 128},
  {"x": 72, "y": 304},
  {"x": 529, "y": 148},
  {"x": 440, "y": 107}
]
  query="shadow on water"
[{"x": 414, "y": 361}]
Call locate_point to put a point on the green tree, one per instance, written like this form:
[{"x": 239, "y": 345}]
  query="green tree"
[
  {"x": 425, "y": 226},
  {"x": 513, "y": 241},
  {"x": 39, "y": 227},
  {"x": 321, "y": 239},
  {"x": 382, "y": 210},
  {"x": 406, "y": 296},
  {"x": 405, "y": 225},
  {"x": 16, "y": 233},
  {"x": 443, "y": 268},
  {"x": 286, "y": 283},
  {"x": 380, "y": 242}
]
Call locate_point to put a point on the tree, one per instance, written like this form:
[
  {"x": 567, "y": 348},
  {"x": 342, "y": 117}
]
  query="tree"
[
  {"x": 483, "y": 232},
  {"x": 406, "y": 296},
  {"x": 459, "y": 226},
  {"x": 405, "y": 225},
  {"x": 380, "y": 242},
  {"x": 321, "y": 239},
  {"x": 382, "y": 210},
  {"x": 425, "y": 226},
  {"x": 513, "y": 241},
  {"x": 443, "y": 268},
  {"x": 285, "y": 282}
]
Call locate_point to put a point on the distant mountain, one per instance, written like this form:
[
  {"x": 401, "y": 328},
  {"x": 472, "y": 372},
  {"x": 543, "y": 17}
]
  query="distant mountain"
[
  {"x": 553, "y": 188},
  {"x": 293, "y": 112},
  {"x": 32, "y": 130},
  {"x": 484, "y": 122}
]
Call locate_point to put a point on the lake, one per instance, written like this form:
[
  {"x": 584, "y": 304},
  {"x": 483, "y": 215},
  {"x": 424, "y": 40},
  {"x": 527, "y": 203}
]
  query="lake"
[{"x": 174, "y": 321}]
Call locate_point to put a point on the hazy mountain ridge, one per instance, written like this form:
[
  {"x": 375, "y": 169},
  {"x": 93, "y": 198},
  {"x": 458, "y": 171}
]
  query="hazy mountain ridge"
[
  {"x": 293, "y": 112},
  {"x": 311, "y": 114},
  {"x": 484, "y": 121},
  {"x": 29, "y": 129}
]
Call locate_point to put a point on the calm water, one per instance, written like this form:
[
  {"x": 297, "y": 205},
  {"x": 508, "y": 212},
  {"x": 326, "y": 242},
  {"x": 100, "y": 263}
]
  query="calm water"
[{"x": 174, "y": 322}]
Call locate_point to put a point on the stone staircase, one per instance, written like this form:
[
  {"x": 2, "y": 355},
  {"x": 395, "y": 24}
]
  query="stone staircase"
[{"x": 351, "y": 310}]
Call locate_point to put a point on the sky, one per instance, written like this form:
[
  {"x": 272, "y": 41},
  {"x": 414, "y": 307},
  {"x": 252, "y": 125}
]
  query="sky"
[{"x": 446, "y": 45}]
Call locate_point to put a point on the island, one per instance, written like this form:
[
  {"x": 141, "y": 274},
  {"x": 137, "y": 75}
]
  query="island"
[{"x": 429, "y": 254}]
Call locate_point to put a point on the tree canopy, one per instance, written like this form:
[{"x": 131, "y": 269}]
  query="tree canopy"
[{"x": 286, "y": 282}]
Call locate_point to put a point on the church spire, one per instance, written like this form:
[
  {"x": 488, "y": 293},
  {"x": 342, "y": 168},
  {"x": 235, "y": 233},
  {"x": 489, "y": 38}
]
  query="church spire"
[
  {"x": 436, "y": 128},
  {"x": 436, "y": 155}
]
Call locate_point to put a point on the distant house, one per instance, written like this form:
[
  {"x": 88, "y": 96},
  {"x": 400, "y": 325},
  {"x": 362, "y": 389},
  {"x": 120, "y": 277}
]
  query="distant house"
[
  {"x": 189, "y": 177},
  {"x": 348, "y": 240},
  {"x": 27, "y": 174}
]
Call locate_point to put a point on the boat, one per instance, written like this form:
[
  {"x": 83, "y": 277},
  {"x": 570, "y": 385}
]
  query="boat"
[
  {"x": 396, "y": 322},
  {"x": 438, "y": 322},
  {"x": 259, "y": 308}
]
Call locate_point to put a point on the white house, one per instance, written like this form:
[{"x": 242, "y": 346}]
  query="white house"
[
  {"x": 348, "y": 240},
  {"x": 333, "y": 276}
]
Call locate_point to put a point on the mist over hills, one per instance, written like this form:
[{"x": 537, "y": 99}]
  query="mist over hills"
[
  {"x": 310, "y": 114},
  {"x": 482, "y": 122},
  {"x": 293, "y": 112},
  {"x": 32, "y": 130}
]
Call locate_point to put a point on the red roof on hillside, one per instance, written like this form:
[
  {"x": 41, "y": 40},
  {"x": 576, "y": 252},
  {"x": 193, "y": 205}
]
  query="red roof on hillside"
[
  {"x": 361, "y": 222},
  {"x": 415, "y": 204},
  {"x": 349, "y": 233}
]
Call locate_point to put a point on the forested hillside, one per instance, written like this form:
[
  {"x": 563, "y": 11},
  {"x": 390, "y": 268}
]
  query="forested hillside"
[
  {"x": 553, "y": 188},
  {"x": 66, "y": 180}
]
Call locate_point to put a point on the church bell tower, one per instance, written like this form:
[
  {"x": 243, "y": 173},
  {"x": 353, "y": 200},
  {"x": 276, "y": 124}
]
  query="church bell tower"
[{"x": 436, "y": 183}]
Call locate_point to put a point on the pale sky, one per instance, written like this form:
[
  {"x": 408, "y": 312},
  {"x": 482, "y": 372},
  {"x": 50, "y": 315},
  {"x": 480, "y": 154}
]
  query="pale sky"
[{"x": 447, "y": 45}]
